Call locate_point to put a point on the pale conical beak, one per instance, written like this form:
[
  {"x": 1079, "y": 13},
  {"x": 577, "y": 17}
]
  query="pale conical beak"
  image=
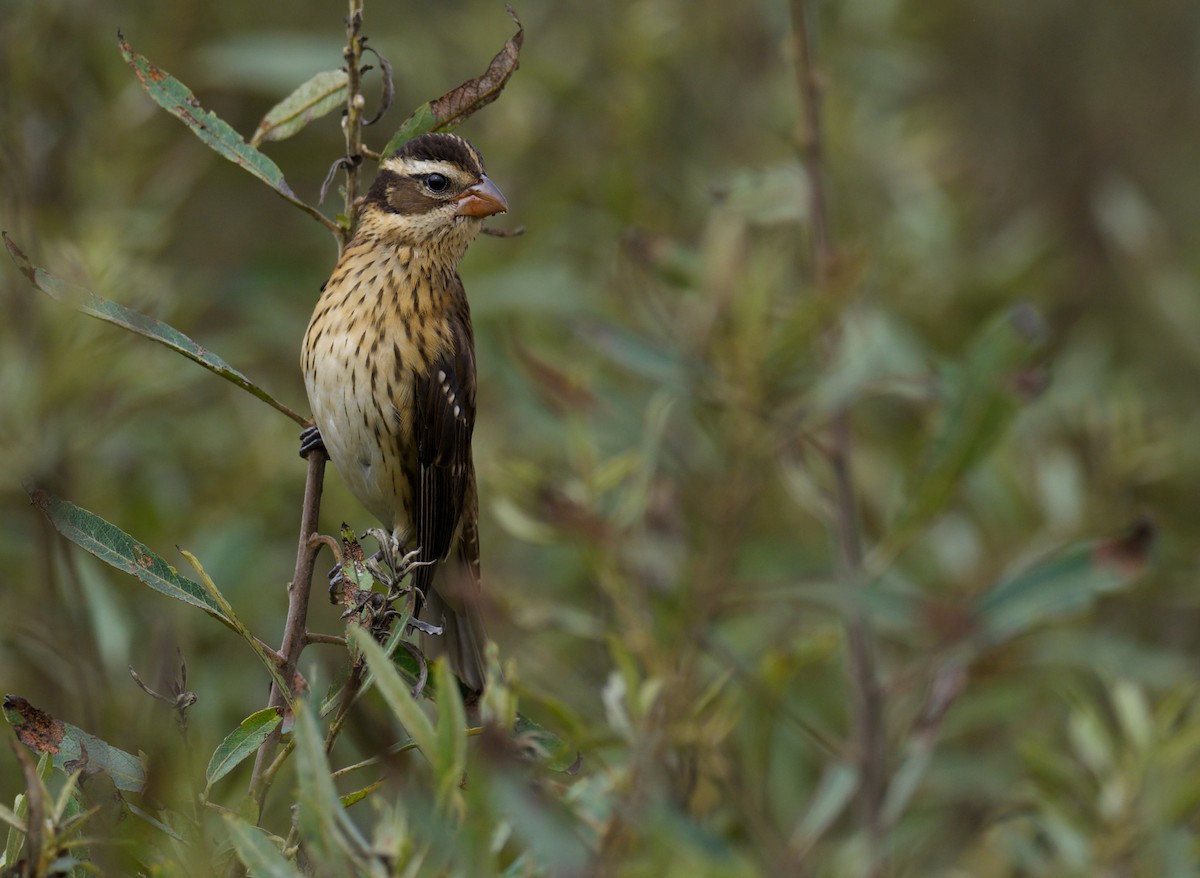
[{"x": 482, "y": 199}]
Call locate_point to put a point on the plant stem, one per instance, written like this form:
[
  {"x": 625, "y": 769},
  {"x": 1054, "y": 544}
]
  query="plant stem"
[
  {"x": 352, "y": 123},
  {"x": 295, "y": 636},
  {"x": 866, "y": 694}
]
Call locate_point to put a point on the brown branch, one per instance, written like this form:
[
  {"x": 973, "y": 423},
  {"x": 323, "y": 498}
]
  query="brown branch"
[
  {"x": 295, "y": 634},
  {"x": 355, "y": 102},
  {"x": 866, "y": 694}
]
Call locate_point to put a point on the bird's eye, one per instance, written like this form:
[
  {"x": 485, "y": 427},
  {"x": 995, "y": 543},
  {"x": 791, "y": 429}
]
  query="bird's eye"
[{"x": 436, "y": 182}]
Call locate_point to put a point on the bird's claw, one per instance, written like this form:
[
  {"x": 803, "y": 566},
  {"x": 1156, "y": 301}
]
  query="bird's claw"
[{"x": 310, "y": 441}]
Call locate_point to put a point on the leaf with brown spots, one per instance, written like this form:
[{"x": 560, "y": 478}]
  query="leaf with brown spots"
[
  {"x": 177, "y": 99},
  {"x": 115, "y": 547},
  {"x": 452, "y": 108},
  {"x": 70, "y": 747}
]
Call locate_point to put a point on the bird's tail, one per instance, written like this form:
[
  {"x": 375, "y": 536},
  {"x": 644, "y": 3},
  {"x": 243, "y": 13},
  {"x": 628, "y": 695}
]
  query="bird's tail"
[{"x": 453, "y": 603}]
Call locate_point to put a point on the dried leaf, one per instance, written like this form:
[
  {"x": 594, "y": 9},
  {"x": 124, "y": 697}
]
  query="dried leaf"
[
  {"x": 387, "y": 89},
  {"x": 70, "y": 747},
  {"x": 322, "y": 94},
  {"x": 455, "y": 106}
]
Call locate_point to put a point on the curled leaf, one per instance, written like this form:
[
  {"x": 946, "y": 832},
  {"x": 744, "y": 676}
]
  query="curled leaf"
[
  {"x": 321, "y": 94},
  {"x": 456, "y": 105},
  {"x": 387, "y": 89}
]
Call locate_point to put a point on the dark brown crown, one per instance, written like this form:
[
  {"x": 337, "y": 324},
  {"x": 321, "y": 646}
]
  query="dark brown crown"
[{"x": 444, "y": 148}]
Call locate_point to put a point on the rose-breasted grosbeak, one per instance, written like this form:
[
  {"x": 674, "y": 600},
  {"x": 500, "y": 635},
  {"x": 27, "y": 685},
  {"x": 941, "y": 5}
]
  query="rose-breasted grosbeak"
[{"x": 389, "y": 364}]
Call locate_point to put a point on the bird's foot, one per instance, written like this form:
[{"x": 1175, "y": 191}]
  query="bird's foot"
[{"x": 310, "y": 441}]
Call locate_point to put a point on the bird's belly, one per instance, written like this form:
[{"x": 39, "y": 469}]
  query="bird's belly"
[{"x": 366, "y": 442}]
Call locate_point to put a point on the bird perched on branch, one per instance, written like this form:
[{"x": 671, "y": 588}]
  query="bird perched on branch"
[{"x": 389, "y": 364}]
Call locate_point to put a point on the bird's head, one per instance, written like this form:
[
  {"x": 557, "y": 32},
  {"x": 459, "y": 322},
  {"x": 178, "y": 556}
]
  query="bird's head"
[{"x": 432, "y": 192}]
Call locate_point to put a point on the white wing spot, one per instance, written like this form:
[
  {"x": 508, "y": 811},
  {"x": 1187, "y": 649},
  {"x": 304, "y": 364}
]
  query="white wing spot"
[
  {"x": 456, "y": 411},
  {"x": 441, "y": 377}
]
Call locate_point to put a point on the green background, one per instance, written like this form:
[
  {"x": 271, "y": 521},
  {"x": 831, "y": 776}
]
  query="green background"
[{"x": 654, "y": 393}]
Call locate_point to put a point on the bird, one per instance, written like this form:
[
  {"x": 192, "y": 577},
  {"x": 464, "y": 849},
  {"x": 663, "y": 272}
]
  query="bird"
[{"x": 389, "y": 366}]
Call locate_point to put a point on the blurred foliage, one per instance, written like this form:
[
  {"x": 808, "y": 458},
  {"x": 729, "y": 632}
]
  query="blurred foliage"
[{"x": 657, "y": 377}]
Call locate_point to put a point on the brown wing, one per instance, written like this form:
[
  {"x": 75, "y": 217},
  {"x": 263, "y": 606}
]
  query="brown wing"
[{"x": 444, "y": 402}]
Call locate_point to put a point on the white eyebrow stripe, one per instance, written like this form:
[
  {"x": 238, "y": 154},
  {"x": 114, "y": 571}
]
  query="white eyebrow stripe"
[{"x": 427, "y": 166}]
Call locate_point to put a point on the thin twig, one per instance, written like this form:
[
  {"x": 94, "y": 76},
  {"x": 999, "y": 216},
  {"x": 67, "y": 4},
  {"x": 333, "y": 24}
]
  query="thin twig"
[
  {"x": 865, "y": 692},
  {"x": 295, "y": 635},
  {"x": 355, "y": 102}
]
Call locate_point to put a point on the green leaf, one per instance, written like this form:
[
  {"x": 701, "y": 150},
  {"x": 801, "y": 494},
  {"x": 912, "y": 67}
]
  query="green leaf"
[
  {"x": 322, "y": 94},
  {"x": 227, "y": 612},
  {"x": 328, "y": 832},
  {"x": 118, "y": 549},
  {"x": 641, "y": 355},
  {"x": 89, "y": 303},
  {"x": 981, "y": 402},
  {"x": 8, "y": 816},
  {"x": 261, "y": 857},
  {"x": 456, "y": 105},
  {"x": 907, "y": 778},
  {"x": 1064, "y": 583},
  {"x": 177, "y": 99},
  {"x": 837, "y": 786},
  {"x": 451, "y": 758},
  {"x": 397, "y": 695},
  {"x": 241, "y": 742},
  {"x": 70, "y": 747}
]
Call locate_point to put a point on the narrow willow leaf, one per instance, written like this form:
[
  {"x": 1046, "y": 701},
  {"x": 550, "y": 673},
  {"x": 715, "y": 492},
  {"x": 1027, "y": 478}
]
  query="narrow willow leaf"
[
  {"x": 981, "y": 402},
  {"x": 451, "y": 759},
  {"x": 241, "y": 742},
  {"x": 66, "y": 744},
  {"x": 397, "y": 695},
  {"x": 1064, "y": 583},
  {"x": 837, "y": 786},
  {"x": 260, "y": 856},
  {"x": 907, "y": 779},
  {"x": 89, "y": 303},
  {"x": 115, "y": 547},
  {"x": 150, "y": 820},
  {"x": 456, "y": 105},
  {"x": 322, "y": 94},
  {"x": 177, "y": 99},
  {"x": 328, "y": 833},
  {"x": 10, "y": 817},
  {"x": 640, "y": 355},
  {"x": 227, "y": 612}
]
